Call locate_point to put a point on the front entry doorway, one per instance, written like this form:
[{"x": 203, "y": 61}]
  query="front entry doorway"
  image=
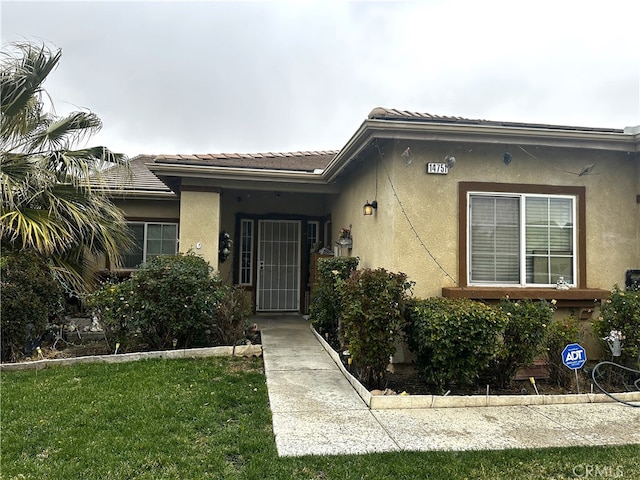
[{"x": 278, "y": 282}]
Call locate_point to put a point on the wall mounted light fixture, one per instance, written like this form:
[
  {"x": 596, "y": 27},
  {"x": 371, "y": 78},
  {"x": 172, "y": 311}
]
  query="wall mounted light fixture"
[{"x": 369, "y": 207}]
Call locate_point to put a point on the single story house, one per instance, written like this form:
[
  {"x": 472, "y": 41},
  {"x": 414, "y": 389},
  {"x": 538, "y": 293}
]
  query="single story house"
[{"x": 466, "y": 208}]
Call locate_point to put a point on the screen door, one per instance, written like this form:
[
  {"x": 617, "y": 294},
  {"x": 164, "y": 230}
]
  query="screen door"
[{"x": 278, "y": 287}]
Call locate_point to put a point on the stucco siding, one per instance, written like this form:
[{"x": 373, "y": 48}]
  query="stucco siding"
[
  {"x": 372, "y": 235},
  {"x": 149, "y": 209},
  {"x": 431, "y": 204},
  {"x": 199, "y": 224}
]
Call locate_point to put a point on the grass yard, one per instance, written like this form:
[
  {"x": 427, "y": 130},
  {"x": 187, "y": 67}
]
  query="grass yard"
[{"x": 210, "y": 418}]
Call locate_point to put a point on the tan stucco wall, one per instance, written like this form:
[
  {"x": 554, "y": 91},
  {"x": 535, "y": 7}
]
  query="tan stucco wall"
[
  {"x": 431, "y": 203},
  {"x": 149, "y": 209},
  {"x": 199, "y": 224},
  {"x": 372, "y": 235}
]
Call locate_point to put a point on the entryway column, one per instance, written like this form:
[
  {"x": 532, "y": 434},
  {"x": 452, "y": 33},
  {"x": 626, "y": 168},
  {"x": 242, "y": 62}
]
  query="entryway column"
[{"x": 200, "y": 221}]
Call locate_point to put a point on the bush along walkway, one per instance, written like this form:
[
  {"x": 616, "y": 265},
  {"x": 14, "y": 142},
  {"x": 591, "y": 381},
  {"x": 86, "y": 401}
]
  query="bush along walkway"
[{"x": 317, "y": 411}]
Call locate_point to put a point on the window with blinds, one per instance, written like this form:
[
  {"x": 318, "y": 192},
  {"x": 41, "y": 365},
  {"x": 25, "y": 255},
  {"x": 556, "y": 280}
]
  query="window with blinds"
[{"x": 521, "y": 239}]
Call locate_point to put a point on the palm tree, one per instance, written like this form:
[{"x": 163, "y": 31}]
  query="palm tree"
[{"x": 52, "y": 200}]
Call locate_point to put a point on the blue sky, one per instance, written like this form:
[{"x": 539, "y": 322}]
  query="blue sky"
[{"x": 206, "y": 77}]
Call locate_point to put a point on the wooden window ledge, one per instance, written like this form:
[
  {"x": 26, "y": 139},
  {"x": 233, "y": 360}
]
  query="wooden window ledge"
[{"x": 572, "y": 298}]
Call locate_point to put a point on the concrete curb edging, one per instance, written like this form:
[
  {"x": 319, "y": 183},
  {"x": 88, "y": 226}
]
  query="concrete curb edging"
[
  {"x": 225, "y": 351},
  {"x": 390, "y": 402},
  {"x": 335, "y": 356}
]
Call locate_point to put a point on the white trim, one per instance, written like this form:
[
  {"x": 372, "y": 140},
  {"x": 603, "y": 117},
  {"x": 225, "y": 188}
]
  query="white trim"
[{"x": 246, "y": 221}]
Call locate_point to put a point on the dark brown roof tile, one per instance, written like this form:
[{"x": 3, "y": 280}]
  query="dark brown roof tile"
[
  {"x": 136, "y": 178},
  {"x": 381, "y": 113}
]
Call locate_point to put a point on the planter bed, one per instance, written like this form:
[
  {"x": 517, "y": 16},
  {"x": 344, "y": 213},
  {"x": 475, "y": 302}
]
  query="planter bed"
[{"x": 388, "y": 402}]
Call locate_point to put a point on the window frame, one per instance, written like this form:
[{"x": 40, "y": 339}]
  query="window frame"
[
  {"x": 523, "y": 254},
  {"x": 146, "y": 224},
  {"x": 468, "y": 188},
  {"x": 249, "y": 252}
]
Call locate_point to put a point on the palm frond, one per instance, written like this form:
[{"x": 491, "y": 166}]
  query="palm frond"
[
  {"x": 49, "y": 203},
  {"x": 64, "y": 133},
  {"x": 24, "y": 69},
  {"x": 34, "y": 229},
  {"x": 72, "y": 273},
  {"x": 15, "y": 170}
]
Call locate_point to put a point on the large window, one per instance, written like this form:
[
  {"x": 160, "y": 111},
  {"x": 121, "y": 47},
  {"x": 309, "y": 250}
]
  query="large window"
[
  {"x": 526, "y": 239},
  {"x": 151, "y": 240}
]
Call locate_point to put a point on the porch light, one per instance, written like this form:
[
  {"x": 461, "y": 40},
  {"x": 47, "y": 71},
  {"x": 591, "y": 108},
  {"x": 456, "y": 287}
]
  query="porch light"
[{"x": 370, "y": 207}]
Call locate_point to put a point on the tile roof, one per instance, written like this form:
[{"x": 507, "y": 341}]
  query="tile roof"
[
  {"x": 381, "y": 113},
  {"x": 137, "y": 179},
  {"x": 307, "y": 161}
]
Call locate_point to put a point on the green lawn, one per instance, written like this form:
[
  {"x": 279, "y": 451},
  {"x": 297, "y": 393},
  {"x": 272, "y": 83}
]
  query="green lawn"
[{"x": 210, "y": 418}]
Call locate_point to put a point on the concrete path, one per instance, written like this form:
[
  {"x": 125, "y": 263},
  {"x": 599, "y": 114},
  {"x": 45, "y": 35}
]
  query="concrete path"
[{"x": 316, "y": 411}]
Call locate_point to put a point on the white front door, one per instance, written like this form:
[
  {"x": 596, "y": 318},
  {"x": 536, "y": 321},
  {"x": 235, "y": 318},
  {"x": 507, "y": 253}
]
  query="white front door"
[{"x": 278, "y": 287}]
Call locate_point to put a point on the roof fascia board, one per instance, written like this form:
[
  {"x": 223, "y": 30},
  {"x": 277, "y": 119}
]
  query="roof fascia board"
[
  {"x": 282, "y": 186},
  {"x": 211, "y": 171},
  {"x": 248, "y": 178},
  {"x": 139, "y": 194},
  {"x": 358, "y": 142},
  {"x": 499, "y": 134},
  {"x": 496, "y": 134}
]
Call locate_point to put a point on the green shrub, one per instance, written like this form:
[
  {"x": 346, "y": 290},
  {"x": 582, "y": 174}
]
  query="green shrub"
[
  {"x": 560, "y": 333},
  {"x": 169, "y": 297},
  {"x": 522, "y": 339},
  {"x": 115, "y": 305},
  {"x": 230, "y": 322},
  {"x": 372, "y": 317},
  {"x": 177, "y": 298},
  {"x": 453, "y": 339},
  {"x": 31, "y": 297},
  {"x": 325, "y": 309},
  {"x": 621, "y": 312}
]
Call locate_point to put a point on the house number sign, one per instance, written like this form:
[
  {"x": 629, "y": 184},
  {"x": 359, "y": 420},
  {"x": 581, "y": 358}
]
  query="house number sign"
[{"x": 437, "y": 168}]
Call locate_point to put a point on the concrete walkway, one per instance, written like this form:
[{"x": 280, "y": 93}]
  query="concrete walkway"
[{"x": 316, "y": 411}]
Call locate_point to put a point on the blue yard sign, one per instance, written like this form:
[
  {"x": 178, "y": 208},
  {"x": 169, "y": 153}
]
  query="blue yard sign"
[{"x": 574, "y": 356}]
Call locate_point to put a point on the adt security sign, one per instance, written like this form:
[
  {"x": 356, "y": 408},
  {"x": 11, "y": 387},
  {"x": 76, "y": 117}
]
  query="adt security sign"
[{"x": 574, "y": 356}]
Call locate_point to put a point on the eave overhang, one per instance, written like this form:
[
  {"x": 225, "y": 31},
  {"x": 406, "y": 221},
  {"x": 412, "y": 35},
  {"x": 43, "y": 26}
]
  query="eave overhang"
[
  {"x": 141, "y": 195},
  {"x": 247, "y": 178},
  {"x": 372, "y": 129},
  {"x": 398, "y": 129}
]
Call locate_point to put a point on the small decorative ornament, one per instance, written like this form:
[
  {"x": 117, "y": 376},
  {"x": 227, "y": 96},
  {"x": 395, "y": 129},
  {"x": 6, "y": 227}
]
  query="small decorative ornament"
[
  {"x": 561, "y": 284},
  {"x": 345, "y": 239},
  {"x": 224, "y": 246},
  {"x": 614, "y": 340}
]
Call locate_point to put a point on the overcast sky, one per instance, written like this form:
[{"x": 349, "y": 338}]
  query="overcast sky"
[{"x": 207, "y": 77}]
